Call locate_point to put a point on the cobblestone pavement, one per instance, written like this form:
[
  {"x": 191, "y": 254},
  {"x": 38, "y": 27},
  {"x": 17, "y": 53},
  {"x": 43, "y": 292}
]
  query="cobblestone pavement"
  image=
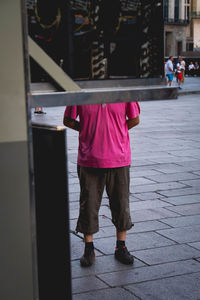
[{"x": 165, "y": 207}]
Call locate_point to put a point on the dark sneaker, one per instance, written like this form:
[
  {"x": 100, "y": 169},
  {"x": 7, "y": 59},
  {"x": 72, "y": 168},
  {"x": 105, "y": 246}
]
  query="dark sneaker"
[
  {"x": 88, "y": 257},
  {"x": 122, "y": 255}
]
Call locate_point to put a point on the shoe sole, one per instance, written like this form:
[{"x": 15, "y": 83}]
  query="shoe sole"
[
  {"x": 124, "y": 262},
  {"x": 87, "y": 264}
]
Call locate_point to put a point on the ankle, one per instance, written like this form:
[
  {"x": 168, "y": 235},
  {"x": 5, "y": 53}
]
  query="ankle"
[
  {"x": 89, "y": 245},
  {"x": 120, "y": 244}
]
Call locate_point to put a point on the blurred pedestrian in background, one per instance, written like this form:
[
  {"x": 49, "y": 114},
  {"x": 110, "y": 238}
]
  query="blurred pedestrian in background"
[
  {"x": 182, "y": 67},
  {"x": 179, "y": 75},
  {"x": 170, "y": 70},
  {"x": 196, "y": 68},
  {"x": 191, "y": 69}
]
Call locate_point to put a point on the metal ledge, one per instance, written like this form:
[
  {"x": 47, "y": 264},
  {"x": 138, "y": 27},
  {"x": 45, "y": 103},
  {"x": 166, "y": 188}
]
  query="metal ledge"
[{"x": 103, "y": 95}]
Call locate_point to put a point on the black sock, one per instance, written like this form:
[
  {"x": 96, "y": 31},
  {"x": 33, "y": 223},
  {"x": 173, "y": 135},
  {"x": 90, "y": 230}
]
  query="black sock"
[
  {"x": 89, "y": 245},
  {"x": 120, "y": 244}
]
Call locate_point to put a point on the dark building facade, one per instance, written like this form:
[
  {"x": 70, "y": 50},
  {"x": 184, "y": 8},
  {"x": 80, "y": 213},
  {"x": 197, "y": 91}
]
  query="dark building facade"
[{"x": 99, "y": 39}]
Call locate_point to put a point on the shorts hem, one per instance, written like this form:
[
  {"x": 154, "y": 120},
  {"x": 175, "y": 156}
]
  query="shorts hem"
[
  {"x": 87, "y": 232},
  {"x": 124, "y": 228}
]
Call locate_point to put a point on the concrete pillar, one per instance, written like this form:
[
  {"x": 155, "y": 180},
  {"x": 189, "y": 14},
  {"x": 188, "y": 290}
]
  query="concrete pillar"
[
  {"x": 17, "y": 279},
  {"x": 171, "y": 9}
]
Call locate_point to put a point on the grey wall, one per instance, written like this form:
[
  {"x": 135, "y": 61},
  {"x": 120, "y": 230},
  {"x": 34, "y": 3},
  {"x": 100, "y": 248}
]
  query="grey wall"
[{"x": 16, "y": 269}]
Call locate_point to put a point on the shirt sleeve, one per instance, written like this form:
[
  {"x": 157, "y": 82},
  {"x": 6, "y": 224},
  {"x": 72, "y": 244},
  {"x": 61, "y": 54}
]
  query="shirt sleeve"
[
  {"x": 71, "y": 112},
  {"x": 133, "y": 110}
]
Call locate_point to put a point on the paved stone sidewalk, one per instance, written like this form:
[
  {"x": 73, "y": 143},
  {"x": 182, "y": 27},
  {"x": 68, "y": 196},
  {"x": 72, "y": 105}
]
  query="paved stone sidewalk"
[
  {"x": 190, "y": 86},
  {"x": 165, "y": 207}
]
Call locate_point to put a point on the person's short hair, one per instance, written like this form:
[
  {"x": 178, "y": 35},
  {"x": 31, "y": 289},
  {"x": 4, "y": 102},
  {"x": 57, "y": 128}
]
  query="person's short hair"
[{"x": 170, "y": 56}]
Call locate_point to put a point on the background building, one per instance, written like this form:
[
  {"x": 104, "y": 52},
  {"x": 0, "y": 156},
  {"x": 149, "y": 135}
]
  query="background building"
[
  {"x": 182, "y": 27},
  {"x": 195, "y": 24},
  {"x": 176, "y": 16}
]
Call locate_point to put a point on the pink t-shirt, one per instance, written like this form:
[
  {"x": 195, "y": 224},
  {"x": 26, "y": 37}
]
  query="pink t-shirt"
[{"x": 104, "y": 138}]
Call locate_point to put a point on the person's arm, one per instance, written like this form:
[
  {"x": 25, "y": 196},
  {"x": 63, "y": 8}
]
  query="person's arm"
[
  {"x": 71, "y": 123},
  {"x": 133, "y": 122}
]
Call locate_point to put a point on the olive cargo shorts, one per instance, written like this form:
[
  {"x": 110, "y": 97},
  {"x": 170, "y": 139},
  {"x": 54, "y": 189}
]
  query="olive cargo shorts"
[{"x": 92, "y": 183}]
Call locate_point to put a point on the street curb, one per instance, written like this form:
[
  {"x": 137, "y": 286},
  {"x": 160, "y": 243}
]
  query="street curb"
[{"x": 188, "y": 92}]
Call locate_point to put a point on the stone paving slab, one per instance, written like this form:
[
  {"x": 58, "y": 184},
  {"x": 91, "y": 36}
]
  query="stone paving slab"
[
  {"x": 193, "y": 153},
  {"x": 74, "y": 180},
  {"x": 74, "y": 213},
  {"x": 157, "y": 187},
  {"x": 148, "y": 204},
  {"x": 139, "y": 163},
  {"x": 158, "y": 213},
  {"x": 86, "y": 284},
  {"x": 142, "y": 274},
  {"x": 154, "y": 154},
  {"x": 187, "y": 209},
  {"x": 182, "y": 234},
  {"x": 185, "y": 287},
  {"x": 140, "y": 181},
  {"x": 137, "y": 228},
  {"x": 73, "y": 205},
  {"x": 196, "y": 173},
  {"x": 167, "y": 254},
  {"x": 192, "y": 183},
  {"x": 102, "y": 264},
  {"x": 191, "y": 165},
  {"x": 132, "y": 198},
  {"x": 172, "y": 177},
  {"x": 148, "y": 196},
  {"x": 172, "y": 159},
  {"x": 180, "y": 192},
  {"x": 136, "y": 241},
  {"x": 188, "y": 199},
  {"x": 147, "y": 226},
  {"x": 74, "y": 188},
  {"x": 105, "y": 232},
  {"x": 171, "y": 168},
  {"x": 195, "y": 245},
  {"x": 74, "y": 197},
  {"x": 107, "y": 294},
  {"x": 182, "y": 221},
  {"x": 105, "y": 211}
]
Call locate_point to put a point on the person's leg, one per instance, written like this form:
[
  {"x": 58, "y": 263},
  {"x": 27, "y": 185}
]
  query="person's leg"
[
  {"x": 88, "y": 256},
  {"x": 117, "y": 187},
  {"x": 91, "y": 184},
  {"x": 121, "y": 235},
  {"x": 179, "y": 80},
  {"x": 170, "y": 79},
  {"x": 183, "y": 75},
  {"x": 167, "y": 79},
  {"x": 88, "y": 238}
]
